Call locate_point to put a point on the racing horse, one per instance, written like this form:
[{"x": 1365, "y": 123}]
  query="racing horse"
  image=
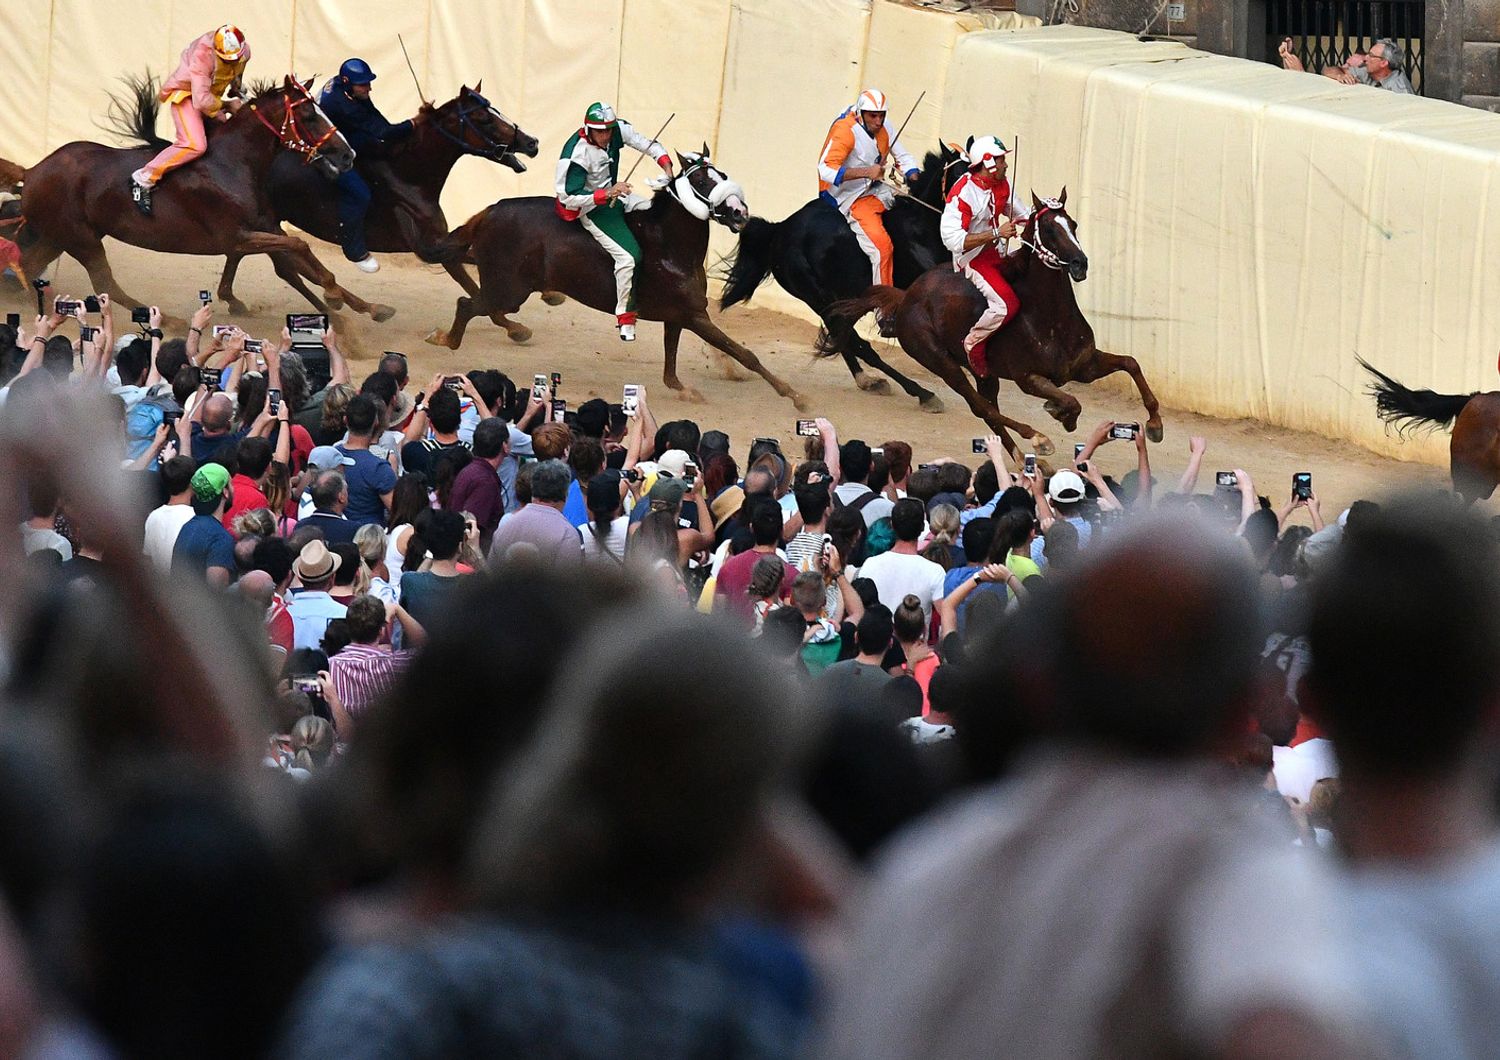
[
  {"x": 220, "y": 204},
  {"x": 405, "y": 215},
  {"x": 1048, "y": 344},
  {"x": 1474, "y": 448},
  {"x": 816, "y": 259},
  {"x": 522, "y": 246}
]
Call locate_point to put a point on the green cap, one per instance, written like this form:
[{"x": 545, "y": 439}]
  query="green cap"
[
  {"x": 599, "y": 116},
  {"x": 209, "y": 481}
]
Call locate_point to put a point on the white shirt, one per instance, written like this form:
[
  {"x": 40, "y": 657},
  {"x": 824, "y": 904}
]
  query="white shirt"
[
  {"x": 162, "y": 527},
  {"x": 896, "y": 574},
  {"x": 1299, "y": 768},
  {"x": 613, "y": 545},
  {"x": 34, "y": 540},
  {"x": 850, "y": 492}
]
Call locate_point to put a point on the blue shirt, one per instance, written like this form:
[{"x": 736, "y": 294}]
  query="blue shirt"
[
  {"x": 576, "y": 509},
  {"x": 205, "y": 446},
  {"x": 1084, "y": 528},
  {"x": 362, "y": 124},
  {"x": 957, "y": 576},
  {"x": 203, "y": 543},
  {"x": 369, "y": 477}
]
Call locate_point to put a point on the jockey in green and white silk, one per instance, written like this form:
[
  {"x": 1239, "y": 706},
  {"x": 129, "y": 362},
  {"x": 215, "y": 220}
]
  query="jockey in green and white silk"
[{"x": 589, "y": 191}]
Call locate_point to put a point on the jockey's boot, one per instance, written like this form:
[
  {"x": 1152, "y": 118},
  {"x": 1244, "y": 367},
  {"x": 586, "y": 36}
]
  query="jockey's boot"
[
  {"x": 367, "y": 264},
  {"x": 140, "y": 194},
  {"x": 627, "y": 332}
]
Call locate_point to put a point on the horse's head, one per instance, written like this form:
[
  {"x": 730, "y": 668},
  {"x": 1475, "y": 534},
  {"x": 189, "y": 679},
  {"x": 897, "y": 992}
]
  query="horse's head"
[
  {"x": 707, "y": 193},
  {"x": 299, "y": 125},
  {"x": 1053, "y": 235},
  {"x": 478, "y": 127}
]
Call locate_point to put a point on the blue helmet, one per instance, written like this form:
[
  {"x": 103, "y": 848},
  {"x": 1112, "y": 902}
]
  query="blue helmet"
[{"x": 356, "y": 72}]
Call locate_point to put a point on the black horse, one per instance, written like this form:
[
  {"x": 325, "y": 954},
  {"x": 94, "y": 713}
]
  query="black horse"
[{"x": 815, "y": 257}]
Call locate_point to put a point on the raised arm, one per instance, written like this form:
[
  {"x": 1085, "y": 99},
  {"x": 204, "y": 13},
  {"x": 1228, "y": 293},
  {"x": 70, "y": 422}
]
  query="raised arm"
[
  {"x": 153, "y": 325},
  {"x": 201, "y": 319},
  {"x": 1196, "y": 448},
  {"x": 1143, "y": 473},
  {"x": 830, "y": 438},
  {"x": 1247, "y": 497},
  {"x": 338, "y": 368}
]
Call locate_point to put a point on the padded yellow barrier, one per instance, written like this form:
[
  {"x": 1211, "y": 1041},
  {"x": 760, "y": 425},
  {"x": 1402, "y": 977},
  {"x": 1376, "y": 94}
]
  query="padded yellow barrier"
[{"x": 1251, "y": 230}]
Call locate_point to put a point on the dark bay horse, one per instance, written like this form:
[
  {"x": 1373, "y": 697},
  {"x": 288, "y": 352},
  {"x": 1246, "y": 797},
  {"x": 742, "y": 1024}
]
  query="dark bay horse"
[
  {"x": 521, "y": 246},
  {"x": 1473, "y": 450},
  {"x": 218, "y": 204},
  {"x": 405, "y": 215},
  {"x": 1047, "y": 345},
  {"x": 816, "y": 259}
]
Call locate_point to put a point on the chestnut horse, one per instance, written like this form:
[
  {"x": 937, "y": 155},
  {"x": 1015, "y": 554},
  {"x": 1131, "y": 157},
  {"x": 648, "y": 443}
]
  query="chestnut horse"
[
  {"x": 1474, "y": 449},
  {"x": 522, "y": 246},
  {"x": 219, "y": 204},
  {"x": 405, "y": 216},
  {"x": 1047, "y": 345}
]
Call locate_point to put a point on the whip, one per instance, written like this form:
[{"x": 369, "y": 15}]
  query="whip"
[
  {"x": 655, "y": 140},
  {"x": 420, "y": 94}
]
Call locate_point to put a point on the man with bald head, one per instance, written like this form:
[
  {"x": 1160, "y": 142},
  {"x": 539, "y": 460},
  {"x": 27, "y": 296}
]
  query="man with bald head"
[
  {"x": 212, "y": 420},
  {"x": 1116, "y": 895},
  {"x": 259, "y": 588}
]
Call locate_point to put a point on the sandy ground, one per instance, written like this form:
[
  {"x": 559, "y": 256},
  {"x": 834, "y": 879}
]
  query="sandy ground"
[{"x": 581, "y": 344}]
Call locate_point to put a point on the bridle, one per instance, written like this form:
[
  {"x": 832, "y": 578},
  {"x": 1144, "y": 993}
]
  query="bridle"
[
  {"x": 702, "y": 163},
  {"x": 494, "y": 150},
  {"x": 291, "y": 134},
  {"x": 1045, "y": 256}
]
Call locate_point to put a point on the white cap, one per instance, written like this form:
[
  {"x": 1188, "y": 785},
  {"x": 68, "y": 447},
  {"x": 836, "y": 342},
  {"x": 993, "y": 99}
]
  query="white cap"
[{"x": 1066, "y": 487}]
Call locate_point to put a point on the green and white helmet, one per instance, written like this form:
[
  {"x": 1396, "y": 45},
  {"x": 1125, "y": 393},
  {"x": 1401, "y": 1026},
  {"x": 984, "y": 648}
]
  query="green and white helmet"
[{"x": 599, "y": 116}]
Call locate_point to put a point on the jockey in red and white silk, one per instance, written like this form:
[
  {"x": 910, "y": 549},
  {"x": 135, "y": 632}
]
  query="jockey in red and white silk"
[{"x": 978, "y": 205}]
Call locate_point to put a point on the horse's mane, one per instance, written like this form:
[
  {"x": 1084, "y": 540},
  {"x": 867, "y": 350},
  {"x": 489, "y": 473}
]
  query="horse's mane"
[{"x": 929, "y": 185}]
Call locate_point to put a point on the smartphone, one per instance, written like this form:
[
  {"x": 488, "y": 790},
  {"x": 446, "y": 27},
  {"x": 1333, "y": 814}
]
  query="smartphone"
[
  {"x": 309, "y": 684},
  {"x": 631, "y": 399},
  {"x": 91, "y": 303},
  {"x": 273, "y": 400},
  {"x": 140, "y": 315},
  {"x": 631, "y": 475},
  {"x": 1029, "y": 464},
  {"x": 455, "y": 382},
  {"x": 1302, "y": 485},
  {"x": 559, "y": 410},
  {"x": 254, "y": 345},
  {"x": 539, "y": 386},
  {"x": 86, "y": 334},
  {"x": 170, "y": 419},
  {"x": 1078, "y": 448},
  {"x": 556, "y": 382},
  {"x": 927, "y": 467},
  {"x": 67, "y": 308},
  {"x": 826, "y": 547},
  {"x": 13, "y": 320},
  {"x": 205, "y": 297},
  {"x": 209, "y": 377},
  {"x": 1226, "y": 480},
  {"x": 307, "y": 329},
  {"x": 1124, "y": 432},
  {"x": 978, "y": 445},
  {"x": 223, "y": 330},
  {"x": 807, "y": 428}
]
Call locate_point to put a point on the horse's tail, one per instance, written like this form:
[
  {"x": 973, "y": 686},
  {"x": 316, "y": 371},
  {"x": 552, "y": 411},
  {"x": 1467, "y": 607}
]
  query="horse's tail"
[
  {"x": 839, "y": 319},
  {"x": 749, "y": 263},
  {"x": 453, "y": 248},
  {"x": 1407, "y": 409},
  {"x": 132, "y": 114}
]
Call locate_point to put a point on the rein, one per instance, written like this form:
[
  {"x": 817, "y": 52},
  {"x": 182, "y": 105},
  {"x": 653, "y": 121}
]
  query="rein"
[
  {"x": 291, "y": 134},
  {"x": 494, "y": 150},
  {"x": 1045, "y": 256}
]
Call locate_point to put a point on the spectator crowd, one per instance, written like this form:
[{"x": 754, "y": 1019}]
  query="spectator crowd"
[{"x": 360, "y": 714}]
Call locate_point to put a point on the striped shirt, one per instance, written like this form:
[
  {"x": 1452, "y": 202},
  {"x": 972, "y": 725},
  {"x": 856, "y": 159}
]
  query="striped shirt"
[{"x": 362, "y": 673}]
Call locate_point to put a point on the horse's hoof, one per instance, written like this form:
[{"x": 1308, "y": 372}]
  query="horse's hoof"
[
  {"x": 1041, "y": 445},
  {"x": 690, "y": 393},
  {"x": 872, "y": 384},
  {"x": 554, "y": 297},
  {"x": 439, "y": 337},
  {"x": 238, "y": 308},
  {"x": 931, "y": 403},
  {"x": 1045, "y": 467},
  {"x": 799, "y": 402},
  {"x": 335, "y": 302},
  {"x": 518, "y": 333},
  {"x": 381, "y": 313},
  {"x": 1154, "y": 431}
]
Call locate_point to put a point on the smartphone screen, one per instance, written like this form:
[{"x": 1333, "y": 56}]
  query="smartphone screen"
[
  {"x": 807, "y": 428},
  {"x": 631, "y": 399},
  {"x": 273, "y": 400},
  {"x": 1302, "y": 485},
  {"x": 253, "y": 345},
  {"x": 307, "y": 328},
  {"x": 1029, "y": 464},
  {"x": 559, "y": 410},
  {"x": 205, "y": 297},
  {"x": 221, "y": 330},
  {"x": 210, "y": 377},
  {"x": 1226, "y": 479},
  {"x": 539, "y": 386}
]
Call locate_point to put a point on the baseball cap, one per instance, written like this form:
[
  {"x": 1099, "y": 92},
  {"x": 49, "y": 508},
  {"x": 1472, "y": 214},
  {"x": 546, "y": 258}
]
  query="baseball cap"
[
  {"x": 713, "y": 442},
  {"x": 1066, "y": 487},
  {"x": 666, "y": 492},
  {"x": 325, "y": 458},
  {"x": 209, "y": 481},
  {"x": 675, "y": 462}
]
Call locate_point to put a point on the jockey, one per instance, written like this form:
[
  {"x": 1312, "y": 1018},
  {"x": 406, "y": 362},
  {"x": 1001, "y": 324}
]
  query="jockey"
[
  {"x": 345, "y": 100},
  {"x": 211, "y": 65},
  {"x": 589, "y": 191},
  {"x": 850, "y": 169},
  {"x": 978, "y": 211}
]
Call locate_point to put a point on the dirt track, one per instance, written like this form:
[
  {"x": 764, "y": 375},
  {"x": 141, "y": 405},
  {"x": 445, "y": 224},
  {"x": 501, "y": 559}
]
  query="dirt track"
[{"x": 581, "y": 344}]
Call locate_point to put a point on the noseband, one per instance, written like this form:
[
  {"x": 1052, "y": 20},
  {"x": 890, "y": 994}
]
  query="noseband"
[
  {"x": 714, "y": 210},
  {"x": 1045, "y": 256},
  {"x": 291, "y": 134},
  {"x": 494, "y": 150}
]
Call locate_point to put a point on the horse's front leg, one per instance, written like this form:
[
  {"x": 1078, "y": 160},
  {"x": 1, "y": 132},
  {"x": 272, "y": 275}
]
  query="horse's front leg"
[
  {"x": 309, "y": 266},
  {"x": 1102, "y": 364}
]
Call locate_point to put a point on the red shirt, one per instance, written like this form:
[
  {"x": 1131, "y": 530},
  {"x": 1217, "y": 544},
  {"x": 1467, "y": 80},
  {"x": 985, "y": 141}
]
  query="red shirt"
[
  {"x": 247, "y": 498},
  {"x": 279, "y": 625},
  {"x": 732, "y": 586}
]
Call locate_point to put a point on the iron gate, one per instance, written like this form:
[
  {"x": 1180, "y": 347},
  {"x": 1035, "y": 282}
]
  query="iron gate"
[{"x": 1327, "y": 32}]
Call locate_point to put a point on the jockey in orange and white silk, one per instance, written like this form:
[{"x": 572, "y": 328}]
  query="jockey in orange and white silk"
[
  {"x": 859, "y": 139},
  {"x": 209, "y": 66},
  {"x": 979, "y": 202}
]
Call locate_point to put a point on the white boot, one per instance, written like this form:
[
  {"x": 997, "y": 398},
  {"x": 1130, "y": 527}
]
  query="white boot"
[
  {"x": 367, "y": 264},
  {"x": 627, "y": 332}
]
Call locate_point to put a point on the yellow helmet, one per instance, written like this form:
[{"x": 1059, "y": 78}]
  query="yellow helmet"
[{"x": 229, "y": 43}]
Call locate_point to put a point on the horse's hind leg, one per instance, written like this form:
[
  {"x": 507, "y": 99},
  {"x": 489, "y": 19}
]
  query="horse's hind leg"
[
  {"x": 699, "y": 324},
  {"x": 929, "y": 401},
  {"x": 286, "y": 268},
  {"x": 1061, "y": 406},
  {"x": 309, "y": 266},
  {"x": 101, "y": 276},
  {"x": 927, "y": 352},
  {"x": 465, "y": 309},
  {"x": 1102, "y": 364},
  {"x": 226, "y": 285}
]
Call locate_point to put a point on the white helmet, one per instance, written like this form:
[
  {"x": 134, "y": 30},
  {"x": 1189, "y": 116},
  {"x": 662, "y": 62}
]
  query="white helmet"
[
  {"x": 871, "y": 99},
  {"x": 985, "y": 151}
]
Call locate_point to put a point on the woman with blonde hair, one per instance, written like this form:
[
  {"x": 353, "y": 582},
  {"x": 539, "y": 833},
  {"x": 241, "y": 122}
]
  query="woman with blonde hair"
[
  {"x": 331, "y": 428},
  {"x": 312, "y": 742},
  {"x": 375, "y": 574},
  {"x": 942, "y": 546}
]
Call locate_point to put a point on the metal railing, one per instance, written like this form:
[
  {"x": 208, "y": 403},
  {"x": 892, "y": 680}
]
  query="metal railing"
[{"x": 1327, "y": 32}]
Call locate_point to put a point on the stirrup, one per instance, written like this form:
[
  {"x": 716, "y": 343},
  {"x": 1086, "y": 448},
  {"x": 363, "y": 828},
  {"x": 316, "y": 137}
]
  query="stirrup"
[{"x": 140, "y": 194}]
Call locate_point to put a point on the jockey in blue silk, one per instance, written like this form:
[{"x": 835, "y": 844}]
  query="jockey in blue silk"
[{"x": 345, "y": 99}]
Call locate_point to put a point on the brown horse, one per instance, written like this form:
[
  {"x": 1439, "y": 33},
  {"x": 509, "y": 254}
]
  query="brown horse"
[
  {"x": 521, "y": 246},
  {"x": 405, "y": 215},
  {"x": 218, "y": 205},
  {"x": 1047, "y": 345},
  {"x": 1474, "y": 449}
]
